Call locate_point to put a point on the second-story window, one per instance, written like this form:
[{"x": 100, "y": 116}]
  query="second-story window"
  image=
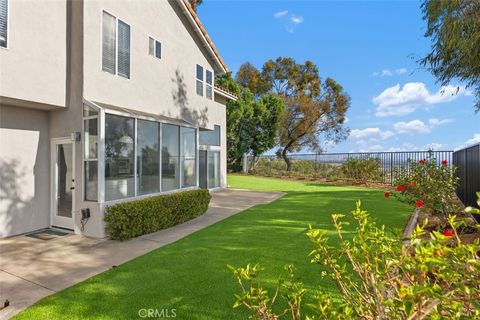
[
  {"x": 115, "y": 46},
  {"x": 154, "y": 48},
  {"x": 209, "y": 84},
  {"x": 199, "y": 80},
  {"x": 3, "y": 23}
]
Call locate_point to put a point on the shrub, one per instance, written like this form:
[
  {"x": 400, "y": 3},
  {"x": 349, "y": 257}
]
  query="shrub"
[
  {"x": 132, "y": 219},
  {"x": 378, "y": 277},
  {"x": 363, "y": 170},
  {"x": 428, "y": 184}
]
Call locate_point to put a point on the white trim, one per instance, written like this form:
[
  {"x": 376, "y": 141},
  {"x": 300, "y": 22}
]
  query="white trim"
[
  {"x": 55, "y": 220},
  {"x": 135, "y": 157}
]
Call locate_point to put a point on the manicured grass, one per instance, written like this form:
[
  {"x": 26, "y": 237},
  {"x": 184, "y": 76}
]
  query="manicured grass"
[{"x": 191, "y": 275}]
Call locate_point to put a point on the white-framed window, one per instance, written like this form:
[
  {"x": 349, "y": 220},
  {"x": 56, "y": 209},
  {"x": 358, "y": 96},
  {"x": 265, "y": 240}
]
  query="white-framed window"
[
  {"x": 3, "y": 23},
  {"x": 90, "y": 153},
  {"x": 115, "y": 45},
  {"x": 154, "y": 48},
  {"x": 199, "y": 82},
  {"x": 209, "y": 84}
]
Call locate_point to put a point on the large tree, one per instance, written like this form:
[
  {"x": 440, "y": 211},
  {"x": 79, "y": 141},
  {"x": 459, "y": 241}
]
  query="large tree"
[
  {"x": 314, "y": 109},
  {"x": 250, "y": 77},
  {"x": 252, "y": 123},
  {"x": 454, "y": 28}
]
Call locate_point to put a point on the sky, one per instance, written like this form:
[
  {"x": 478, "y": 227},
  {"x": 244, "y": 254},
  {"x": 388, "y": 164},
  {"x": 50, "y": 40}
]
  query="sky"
[{"x": 371, "y": 49}]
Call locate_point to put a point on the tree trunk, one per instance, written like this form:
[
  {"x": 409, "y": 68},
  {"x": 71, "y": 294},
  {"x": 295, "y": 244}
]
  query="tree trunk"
[{"x": 287, "y": 160}]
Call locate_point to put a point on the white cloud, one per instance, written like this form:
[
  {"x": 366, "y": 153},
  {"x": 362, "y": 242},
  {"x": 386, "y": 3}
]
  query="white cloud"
[
  {"x": 469, "y": 142},
  {"x": 417, "y": 126},
  {"x": 296, "y": 19},
  {"x": 433, "y": 146},
  {"x": 280, "y": 14},
  {"x": 412, "y": 127},
  {"x": 397, "y": 101},
  {"x": 389, "y": 73},
  {"x": 438, "y": 122},
  {"x": 372, "y": 133}
]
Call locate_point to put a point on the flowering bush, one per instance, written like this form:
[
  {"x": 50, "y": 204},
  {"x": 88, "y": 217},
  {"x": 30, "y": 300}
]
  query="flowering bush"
[
  {"x": 377, "y": 276},
  {"x": 428, "y": 184}
]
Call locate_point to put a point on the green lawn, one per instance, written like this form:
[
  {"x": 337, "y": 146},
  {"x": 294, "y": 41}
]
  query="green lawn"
[{"x": 191, "y": 275}]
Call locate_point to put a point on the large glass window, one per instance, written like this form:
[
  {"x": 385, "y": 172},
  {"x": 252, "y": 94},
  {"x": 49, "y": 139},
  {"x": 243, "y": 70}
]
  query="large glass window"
[
  {"x": 119, "y": 157},
  {"x": 213, "y": 163},
  {"x": 189, "y": 155},
  {"x": 210, "y": 137},
  {"x": 148, "y": 157},
  {"x": 170, "y": 157}
]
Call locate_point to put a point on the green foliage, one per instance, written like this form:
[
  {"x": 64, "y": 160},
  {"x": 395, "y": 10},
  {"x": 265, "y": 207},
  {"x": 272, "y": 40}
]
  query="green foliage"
[
  {"x": 363, "y": 170},
  {"x": 299, "y": 169},
  {"x": 431, "y": 183},
  {"x": 454, "y": 29},
  {"x": 380, "y": 277},
  {"x": 256, "y": 299},
  {"x": 473, "y": 210},
  {"x": 134, "y": 218},
  {"x": 250, "y": 77},
  {"x": 252, "y": 122}
]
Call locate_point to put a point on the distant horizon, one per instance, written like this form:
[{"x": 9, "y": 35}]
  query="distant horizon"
[{"x": 371, "y": 49}]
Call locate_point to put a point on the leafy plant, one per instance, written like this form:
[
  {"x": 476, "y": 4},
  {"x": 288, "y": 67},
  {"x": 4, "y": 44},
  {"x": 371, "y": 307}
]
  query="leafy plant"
[
  {"x": 134, "y": 218},
  {"x": 428, "y": 184},
  {"x": 380, "y": 277},
  {"x": 363, "y": 170},
  {"x": 472, "y": 209}
]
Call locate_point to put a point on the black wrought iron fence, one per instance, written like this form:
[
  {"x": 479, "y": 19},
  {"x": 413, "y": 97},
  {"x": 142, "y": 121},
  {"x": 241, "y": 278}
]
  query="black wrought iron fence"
[
  {"x": 467, "y": 162},
  {"x": 329, "y": 165}
]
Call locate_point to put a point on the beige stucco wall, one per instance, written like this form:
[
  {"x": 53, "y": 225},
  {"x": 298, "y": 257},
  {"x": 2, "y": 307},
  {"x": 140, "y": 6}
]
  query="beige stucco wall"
[
  {"x": 24, "y": 170},
  {"x": 165, "y": 86},
  {"x": 33, "y": 67}
]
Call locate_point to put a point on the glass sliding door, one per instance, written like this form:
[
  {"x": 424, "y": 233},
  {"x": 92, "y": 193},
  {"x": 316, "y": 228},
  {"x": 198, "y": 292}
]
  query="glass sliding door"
[
  {"x": 213, "y": 169},
  {"x": 119, "y": 157},
  {"x": 148, "y": 157},
  {"x": 170, "y": 157},
  {"x": 189, "y": 145}
]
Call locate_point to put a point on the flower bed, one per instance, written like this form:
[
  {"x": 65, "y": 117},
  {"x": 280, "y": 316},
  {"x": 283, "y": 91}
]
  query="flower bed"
[{"x": 430, "y": 187}]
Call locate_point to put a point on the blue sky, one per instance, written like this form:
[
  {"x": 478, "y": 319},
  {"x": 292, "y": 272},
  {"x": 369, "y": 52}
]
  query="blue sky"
[{"x": 371, "y": 49}]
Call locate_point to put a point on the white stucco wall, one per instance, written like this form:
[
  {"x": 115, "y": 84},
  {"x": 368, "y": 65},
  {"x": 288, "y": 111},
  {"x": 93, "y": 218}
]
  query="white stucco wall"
[
  {"x": 24, "y": 170},
  {"x": 33, "y": 67}
]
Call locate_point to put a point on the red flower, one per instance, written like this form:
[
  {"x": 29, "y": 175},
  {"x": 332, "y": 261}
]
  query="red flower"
[
  {"x": 399, "y": 188},
  {"x": 444, "y": 162},
  {"x": 405, "y": 186},
  {"x": 414, "y": 183},
  {"x": 387, "y": 194},
  {"x": 448, "y": 233},
  {"x": 422, "y": 162},
  {"x": 419, "y": 203}
]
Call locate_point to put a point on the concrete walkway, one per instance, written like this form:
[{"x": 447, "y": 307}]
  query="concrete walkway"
[{"x": 31, "y": 269}]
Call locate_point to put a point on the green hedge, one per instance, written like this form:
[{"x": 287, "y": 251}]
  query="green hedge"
[{"x": 132, "y": 219}]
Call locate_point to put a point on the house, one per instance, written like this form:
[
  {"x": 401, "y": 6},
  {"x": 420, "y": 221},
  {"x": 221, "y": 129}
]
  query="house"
[{"x": 101, "y": 102}]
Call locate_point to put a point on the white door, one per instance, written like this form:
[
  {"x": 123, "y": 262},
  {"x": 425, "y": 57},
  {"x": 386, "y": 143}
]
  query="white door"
[{"x": 63, "y": 183}]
